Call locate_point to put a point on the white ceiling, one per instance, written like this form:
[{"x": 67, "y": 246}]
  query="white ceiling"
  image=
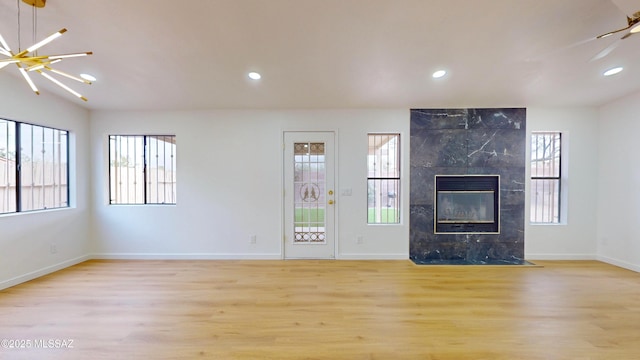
[{"x": 195, "y": 54}]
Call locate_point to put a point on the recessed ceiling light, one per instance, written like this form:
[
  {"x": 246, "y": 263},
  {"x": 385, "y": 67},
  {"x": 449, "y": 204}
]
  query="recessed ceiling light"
[
  {"x": 88, "y": 77},
  {"x": 438, "y": 74},
  {"x": 613, "y": 71},
  {"x": 254, "y": 75}
]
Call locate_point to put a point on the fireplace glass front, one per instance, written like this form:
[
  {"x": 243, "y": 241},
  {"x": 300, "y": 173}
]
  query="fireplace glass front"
[{"x": 467, "y": 204}]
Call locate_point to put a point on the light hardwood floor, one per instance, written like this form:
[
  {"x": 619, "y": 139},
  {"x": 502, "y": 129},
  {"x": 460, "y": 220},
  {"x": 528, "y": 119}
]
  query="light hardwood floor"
[{"x": 325, "y": 310}]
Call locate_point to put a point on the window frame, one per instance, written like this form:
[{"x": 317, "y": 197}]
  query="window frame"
[
  {"x": 19, "y": 208},
  {"x": 398, "y": 178},
  {"x": 558, "y": 210},
  {"x": 145, "y": 173}
]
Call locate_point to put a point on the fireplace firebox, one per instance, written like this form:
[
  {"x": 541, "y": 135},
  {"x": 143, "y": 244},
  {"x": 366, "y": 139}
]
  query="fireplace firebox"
[{"x": 467, "y": 204}]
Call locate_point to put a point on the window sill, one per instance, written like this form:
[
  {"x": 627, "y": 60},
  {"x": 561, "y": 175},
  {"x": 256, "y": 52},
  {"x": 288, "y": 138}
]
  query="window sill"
[
  {"x": 36, "y": 211},
  {"x": 143, "y": 205},
  {"x": 548, "y": 224}
]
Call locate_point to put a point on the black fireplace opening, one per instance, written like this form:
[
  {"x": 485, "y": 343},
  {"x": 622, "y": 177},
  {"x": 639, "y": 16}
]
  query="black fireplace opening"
[{"x": 467, "y": 204}]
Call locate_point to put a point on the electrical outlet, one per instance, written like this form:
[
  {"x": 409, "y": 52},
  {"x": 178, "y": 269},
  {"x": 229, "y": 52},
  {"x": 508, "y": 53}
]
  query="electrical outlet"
[
  {"x": 252, "y": 239},
  {"x": 360, "y": 239},
  {"x": 53, "y": 248}
]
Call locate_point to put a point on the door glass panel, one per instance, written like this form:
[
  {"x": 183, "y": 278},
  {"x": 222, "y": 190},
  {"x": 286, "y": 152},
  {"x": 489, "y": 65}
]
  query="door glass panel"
[{"x": 309, "y": 193}]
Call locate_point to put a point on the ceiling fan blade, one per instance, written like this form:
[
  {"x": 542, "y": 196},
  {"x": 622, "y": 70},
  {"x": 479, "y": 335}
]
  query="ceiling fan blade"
[
  {"x": 627, "y": 35},
  {"x": 606, "y": 51},
  {"x": 578, "y": 43},
  {"x": 611, "y": 33}
]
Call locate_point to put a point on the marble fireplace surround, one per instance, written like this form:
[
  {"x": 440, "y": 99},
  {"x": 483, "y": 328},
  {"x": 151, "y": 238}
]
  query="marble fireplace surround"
[{"x": 467, "y": 142}]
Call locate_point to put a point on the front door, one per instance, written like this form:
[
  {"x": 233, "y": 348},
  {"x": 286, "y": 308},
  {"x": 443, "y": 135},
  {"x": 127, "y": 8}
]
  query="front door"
[{"x": 309, "y": 195}]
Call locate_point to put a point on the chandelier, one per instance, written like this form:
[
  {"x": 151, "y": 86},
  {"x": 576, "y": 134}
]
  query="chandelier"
[{"x": 29, "y": 61}]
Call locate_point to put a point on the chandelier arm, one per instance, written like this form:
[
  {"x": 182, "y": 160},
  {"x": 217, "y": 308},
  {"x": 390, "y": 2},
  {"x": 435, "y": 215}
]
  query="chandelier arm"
[
  {"x": 25, "y": 59},
  {"x": 27, "y": 78},
  {"x": 9, "y": 61},
  {"x": 42, "y": 64},
  {"x": 63, "y": 56},
  {"x": 42, "y": 43},
  {"x": 55, "y": 81},
  {"x": 16, "y": 58},
  {"x": 72, "y": 77},
  {"x": 4, "y": 44}
]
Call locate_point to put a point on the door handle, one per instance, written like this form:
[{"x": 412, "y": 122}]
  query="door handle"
[{"x": 330, "y": 202}]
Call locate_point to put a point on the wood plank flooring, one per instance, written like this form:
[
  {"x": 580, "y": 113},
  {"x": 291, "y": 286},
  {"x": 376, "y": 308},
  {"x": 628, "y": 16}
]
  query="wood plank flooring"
[{"x": 324, "y": 310}]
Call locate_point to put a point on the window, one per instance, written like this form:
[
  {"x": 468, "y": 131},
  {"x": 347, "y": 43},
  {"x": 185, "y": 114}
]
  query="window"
[
  {"x": 383, "y": 179},
  {"x": 142, "y": 169},
  {"x": 34, "y": 167},
  {"x": 545, "y": 177}
]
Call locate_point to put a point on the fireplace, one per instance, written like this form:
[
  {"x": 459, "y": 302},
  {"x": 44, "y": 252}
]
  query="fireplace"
[
  {"x": 462, "y": 145},
  {"x": 467, "y": 204}
]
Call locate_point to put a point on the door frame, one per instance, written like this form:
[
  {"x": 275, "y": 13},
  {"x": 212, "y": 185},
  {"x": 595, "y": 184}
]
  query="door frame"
[{"x": 283, "y": 180}]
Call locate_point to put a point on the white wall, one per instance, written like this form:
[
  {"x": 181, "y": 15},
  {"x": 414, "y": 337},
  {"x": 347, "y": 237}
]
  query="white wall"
[
  {"x": 230, "y": 163},
  {"x": 230, "y": 184},
  {"x": 26, "y": 238},
  {"x": 619, "y": 183},
  {"x": 575, "y": 238}
]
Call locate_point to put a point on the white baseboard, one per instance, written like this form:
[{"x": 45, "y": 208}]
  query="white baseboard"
[
  {"x": 215, "y": 256},
  {"x": 372, "y": 257},
  {"x": 620, "y": 263},
  {"x": 42, "y": 272},
  {"x": 534, "y": 257},
  {"x": 184, "y": 256}
]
